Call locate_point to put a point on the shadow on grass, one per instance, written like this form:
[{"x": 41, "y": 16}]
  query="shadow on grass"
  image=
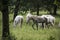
[
  {"x": 10, "y": 37},
  {"x": 51, "y": 38}
]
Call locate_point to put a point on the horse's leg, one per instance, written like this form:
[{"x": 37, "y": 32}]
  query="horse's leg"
[
  {"x": 33, "y": 26},
  {"x": 27, "y": 21},
  {"x": 16, "y": 23},
  {"x": 47, "y": 25},
  {"x": 21, "y": 23},
  {"x": 37, "y": 25},
  {"x": 43, "y": 25},
  {"x": 52, "y": 24}
]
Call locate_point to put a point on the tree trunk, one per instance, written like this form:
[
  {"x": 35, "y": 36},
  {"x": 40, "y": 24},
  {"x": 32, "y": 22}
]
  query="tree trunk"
[
  {"x": 5, "y": 19},
  {"x": 37, "y": 9},
  {"x": 49, "y": 9},
  {"x": 16, "y": 9},
  {"x": 55, "y": 9}
]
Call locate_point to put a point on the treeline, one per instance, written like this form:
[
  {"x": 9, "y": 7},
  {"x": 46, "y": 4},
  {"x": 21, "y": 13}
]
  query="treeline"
[{"x": 34, "y": 5}]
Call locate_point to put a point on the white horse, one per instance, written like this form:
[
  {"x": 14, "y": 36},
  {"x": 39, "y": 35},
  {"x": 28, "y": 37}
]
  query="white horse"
[
  {"x": 47, "y": 19},
  {"x": 50, "y": 19},
  {"x": 28, "y": 16},
  {"x": 37, "y": 19},
  {"x": 18, "y": 19}
]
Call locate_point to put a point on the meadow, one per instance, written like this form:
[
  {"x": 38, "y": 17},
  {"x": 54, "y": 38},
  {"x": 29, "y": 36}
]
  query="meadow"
[{"x": 28, "y": 33}]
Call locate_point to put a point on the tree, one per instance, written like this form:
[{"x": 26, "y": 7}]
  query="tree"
[
  {"x": 5, "y": 18},
  {"x": 16, "y": 8},
  {"x": 55, "y": 6},
  {"x": 0, "y": 5},
  {"x": 55, "y": 9}
]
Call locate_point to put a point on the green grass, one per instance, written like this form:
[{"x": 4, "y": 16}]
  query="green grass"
[
  {"x": 0, "y": 25},
  {"x": 28, "y": 33}
]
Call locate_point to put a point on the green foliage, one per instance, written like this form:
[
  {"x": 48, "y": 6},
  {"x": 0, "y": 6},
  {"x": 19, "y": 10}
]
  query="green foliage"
[{"x": 0, "y": 25}]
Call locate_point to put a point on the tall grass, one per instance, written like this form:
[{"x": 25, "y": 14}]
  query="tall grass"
[{"x": 0, "y": 25}]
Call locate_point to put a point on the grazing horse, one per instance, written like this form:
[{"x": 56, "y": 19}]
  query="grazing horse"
[
  {"x": 37, "y": 19},
  {"x": 18, "y": 19},
  {"x": 50, "y": 19}
]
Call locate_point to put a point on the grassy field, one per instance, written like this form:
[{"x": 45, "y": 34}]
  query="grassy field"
[
  {"x": 0, "y": 25},
  {"x": 28, "y": 33}
]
